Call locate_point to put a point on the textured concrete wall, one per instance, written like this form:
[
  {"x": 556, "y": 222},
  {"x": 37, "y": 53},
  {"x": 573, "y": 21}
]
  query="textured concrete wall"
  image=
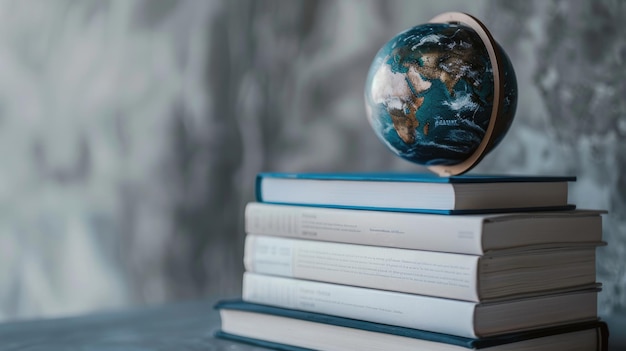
[{"x": 131, "y": 130}]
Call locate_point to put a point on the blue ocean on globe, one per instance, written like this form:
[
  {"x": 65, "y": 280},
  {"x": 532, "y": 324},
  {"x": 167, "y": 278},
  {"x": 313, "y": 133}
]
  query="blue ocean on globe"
[{"x": 430, "y": 90}]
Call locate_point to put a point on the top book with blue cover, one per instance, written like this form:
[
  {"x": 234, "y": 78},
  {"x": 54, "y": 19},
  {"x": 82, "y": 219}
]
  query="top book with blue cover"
[{"x": 416, "y": 192}]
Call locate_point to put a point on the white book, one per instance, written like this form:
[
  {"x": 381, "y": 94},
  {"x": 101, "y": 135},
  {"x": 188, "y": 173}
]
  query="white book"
[
  {"x": 469, "y": 234},
  {"x": 447, "y": 316},
  {"x": 448, "y": 275}
]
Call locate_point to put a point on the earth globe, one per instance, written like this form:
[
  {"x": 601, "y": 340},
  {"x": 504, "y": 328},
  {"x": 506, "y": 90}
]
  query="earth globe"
[{"x": 442, "y": 94}]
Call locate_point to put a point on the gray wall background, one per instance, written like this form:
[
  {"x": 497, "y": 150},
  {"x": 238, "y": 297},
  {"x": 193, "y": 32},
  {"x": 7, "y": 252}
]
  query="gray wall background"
[{"x": 131, "y": 131}]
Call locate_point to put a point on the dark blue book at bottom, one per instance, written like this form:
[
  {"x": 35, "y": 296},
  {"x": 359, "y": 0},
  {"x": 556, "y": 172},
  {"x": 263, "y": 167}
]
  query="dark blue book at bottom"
[{"x": 295, "y": 330}]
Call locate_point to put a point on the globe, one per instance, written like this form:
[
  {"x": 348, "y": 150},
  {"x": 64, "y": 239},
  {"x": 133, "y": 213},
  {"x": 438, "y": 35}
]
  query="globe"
[{"x": 442, "y": 94}]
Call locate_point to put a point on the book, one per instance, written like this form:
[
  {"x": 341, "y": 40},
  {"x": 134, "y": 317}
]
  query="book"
[
  {"x": 435, "y": 314},
  {"x": 468, "y": 234},
  {"x": 288, "y": 329},
  {"x": 448, "y": 275},
  {"x": 410, "y": 192}
]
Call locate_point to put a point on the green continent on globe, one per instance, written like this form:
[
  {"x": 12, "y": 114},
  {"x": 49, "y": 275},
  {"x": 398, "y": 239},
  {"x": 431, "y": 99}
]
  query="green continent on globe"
[{"x": 429, "y": 93}]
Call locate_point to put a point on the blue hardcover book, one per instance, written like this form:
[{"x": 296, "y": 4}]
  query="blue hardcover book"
[
  {"x": 416, "y": 192},
  {"x": 295, "y": 330}
]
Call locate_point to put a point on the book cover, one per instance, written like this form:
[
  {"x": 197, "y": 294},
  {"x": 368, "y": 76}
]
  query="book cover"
[
  {"x": 440, "y": 315},
  {"x": 469, "y": 234},
  {"x": 415, "y": 192},
  {"x": 440, "y": 274},
  {"x": 470, "y": 343},
  {"x": 418, "y": 177}
]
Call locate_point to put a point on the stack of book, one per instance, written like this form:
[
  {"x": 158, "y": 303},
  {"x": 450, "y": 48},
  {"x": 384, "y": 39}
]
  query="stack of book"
[{"x": 407, "y": 262}]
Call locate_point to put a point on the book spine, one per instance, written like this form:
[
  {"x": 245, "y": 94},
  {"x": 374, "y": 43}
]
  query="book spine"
[
  {"x": 402, "y": 230},
  {"x": 404, "y": 310},
  {"x": 429, "y": 273}
]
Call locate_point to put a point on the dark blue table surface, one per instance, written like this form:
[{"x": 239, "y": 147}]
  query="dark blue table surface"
[
  {"x": 183, "y": 326},
  {"x": 180, "y": 326}
]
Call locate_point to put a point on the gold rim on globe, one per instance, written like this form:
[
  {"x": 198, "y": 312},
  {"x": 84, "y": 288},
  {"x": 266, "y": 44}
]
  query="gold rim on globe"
[{"x": 496, "y": 65}]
